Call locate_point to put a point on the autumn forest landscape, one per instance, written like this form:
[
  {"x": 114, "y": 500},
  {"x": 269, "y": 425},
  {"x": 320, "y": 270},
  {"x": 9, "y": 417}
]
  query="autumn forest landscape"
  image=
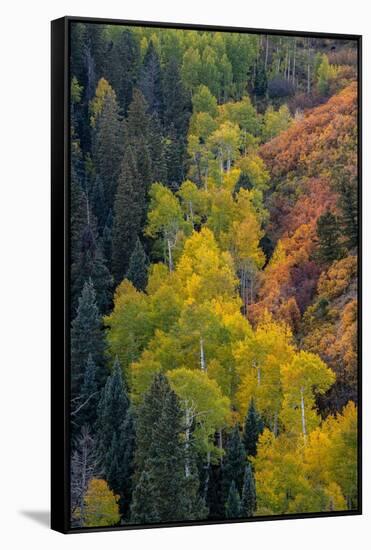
[{"x": 213, "y": 267}]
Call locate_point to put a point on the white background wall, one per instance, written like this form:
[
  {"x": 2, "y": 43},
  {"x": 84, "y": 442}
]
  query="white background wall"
[{"x": 24, "y": 271}]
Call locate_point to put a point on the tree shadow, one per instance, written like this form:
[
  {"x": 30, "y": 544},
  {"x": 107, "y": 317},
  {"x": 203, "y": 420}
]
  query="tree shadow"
[{"x": 42, "y": 517}]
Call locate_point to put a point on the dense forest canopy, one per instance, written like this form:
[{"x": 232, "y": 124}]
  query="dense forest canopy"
[{"x": 214, "y": 238}]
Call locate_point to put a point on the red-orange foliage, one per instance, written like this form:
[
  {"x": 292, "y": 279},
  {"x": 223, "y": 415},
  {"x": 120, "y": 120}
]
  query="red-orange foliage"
[{"x": 312, "y": 144}]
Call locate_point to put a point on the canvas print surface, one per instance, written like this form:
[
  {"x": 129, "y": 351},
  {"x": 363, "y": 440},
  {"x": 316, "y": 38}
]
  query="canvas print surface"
[{"x": 213, "y": 275}]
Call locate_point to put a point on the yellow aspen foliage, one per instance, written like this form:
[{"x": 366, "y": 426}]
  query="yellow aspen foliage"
[
  {"x": 96, "y": 105},
  {"x": 302, "y": 379},
  {"x": 100, "y": 505}
]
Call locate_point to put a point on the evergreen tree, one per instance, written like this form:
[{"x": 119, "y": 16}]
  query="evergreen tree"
[
  {"x": 157, "y": 151},
  {"x": 260, "y": 82},
  {"x": 328, "y": 233},
  {"x": 127, "y": 216},
  {"x": 90, "y": 265},
  {"x": 150, "y": 81},
  {"x": 233, "y": 503},
  {"x": 85, "y": 409},
  {"x": 253, "y": 427},
  {"x": 143, "y": 509},
  {"x": 214, "y": 498},
  {"x": 87, "y": 338},
  {"x": 172, "y": 489},
  {"x": 248, "y": 500},
  {"x": 177, "y": 112},
  {"x": 115, "y": 436},
  {"x": 348, "y": 202},
  {"x": 138, "y": 267},
  {"x": 107, "y": 149},
  {"x": 78, "y": 219},
  {"x": 122, "y": 65},
  {"x": 234, "y": 462}
]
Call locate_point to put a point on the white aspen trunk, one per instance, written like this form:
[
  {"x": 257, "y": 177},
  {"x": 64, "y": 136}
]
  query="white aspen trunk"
[
  {"x": 259, "y": 374},
  {"x": 202, "y": 355},
  {"x": 303, "y": 422},
  {"x": 207, "y": 477},
  {"x": 266, "y": 52},
  {"x": 187, "y": 437},
  {"x": 220, "y": 442},
  {"x": 288, "y": 68},
  {"x": 170, "y": 255},
  {"x": 191, "y": 211},
  {"x": 294, "y": 64}
]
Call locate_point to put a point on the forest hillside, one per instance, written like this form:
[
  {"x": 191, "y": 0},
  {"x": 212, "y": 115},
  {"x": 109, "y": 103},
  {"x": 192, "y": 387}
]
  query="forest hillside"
[{"x": 213, "y": 247}]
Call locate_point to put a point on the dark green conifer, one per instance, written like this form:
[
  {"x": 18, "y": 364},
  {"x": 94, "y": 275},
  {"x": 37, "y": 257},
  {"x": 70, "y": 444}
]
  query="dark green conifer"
[
  {"x": 253, "y": 427},
  {"x": 233, "y": 503},
  {"x": 328, "y": 233},
  {"x": 87, "y": 338},
  {"x": 84, "y": 410},
  {"x": 234, "y": 462},
  {"x": 150, "y": 82},
  {"x": 248, "y": 500},
  {"x": 138, "y": 267}
]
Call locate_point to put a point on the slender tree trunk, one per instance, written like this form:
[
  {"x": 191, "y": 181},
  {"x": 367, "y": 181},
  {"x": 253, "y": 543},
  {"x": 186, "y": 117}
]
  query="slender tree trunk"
[
  {"x": 207, "y": 476},
  {"x": 266, "y": 52},
  {"x": 202, "y": 355},
  {"x": 187, "y": 437},
  {"x": 303, "y": 422},
  {"x": 170, "y": 255},
  {"x": 275, "y": 424},
  {"x": 294, "y": 64}
]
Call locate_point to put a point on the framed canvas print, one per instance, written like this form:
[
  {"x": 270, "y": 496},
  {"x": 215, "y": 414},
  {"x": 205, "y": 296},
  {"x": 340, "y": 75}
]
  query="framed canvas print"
[{"x": 206, "y": 193}]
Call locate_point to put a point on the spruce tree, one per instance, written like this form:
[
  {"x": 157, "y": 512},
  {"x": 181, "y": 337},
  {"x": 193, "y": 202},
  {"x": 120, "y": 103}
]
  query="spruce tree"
[
  {"x": 248, "y": 500},
  {"x": 233, "y": 503},
  {"x": 177, "y": 112},
  {"x": 127, "y": 216},
  {"x": 138, "y": 267},
  {"x": 87, "y": 338},
  {"x": 157, "y": 151},
  {"x": 150, "y": 81},
  {"x": 107, "y": 149},
  {"x": 253, "y": 427},
  {"x": 234, "y": 462},
  {"x": 115, "y": 436},
  {"x": 90, "y": 265},
  {"x": 84, "y": 411},
  {"x": 122, "y": 65},
  {"x": 171, "y": 491},
  {"x": 143, "y": 508},
  {"x": 328, "y": 233}
]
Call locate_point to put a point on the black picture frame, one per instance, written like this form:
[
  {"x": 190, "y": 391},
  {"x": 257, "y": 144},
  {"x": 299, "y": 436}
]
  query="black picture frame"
[{"x": 60, "y": 264}]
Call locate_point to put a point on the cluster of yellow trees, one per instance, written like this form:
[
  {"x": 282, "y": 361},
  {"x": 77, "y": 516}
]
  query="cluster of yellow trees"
[{"x": 190, "y": 324}]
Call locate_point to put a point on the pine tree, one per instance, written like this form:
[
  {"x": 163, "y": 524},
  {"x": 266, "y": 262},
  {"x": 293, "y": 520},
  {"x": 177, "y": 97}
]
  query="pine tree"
[
  {"x": 214, "y": 499},
  {"x": 248, "y": 500},
  {"x": 160, "y": 460},
  {"x": 115, "y": 436},
  {"x": 84, "y": 411},
  {"x": 90, "y": 265},
  {"x": 177, "y": 112},
  {"x": 143, "y": 509},
  {"x": 260, "y": 83},
  {"x": 157, "y": 151},
  {"x": 252, "y": 429},
  {"x": 87, "y": 338},
  {"x": 122, "y": 65},
  {"x": 78, "y": 219},
  {"x": 127, "y": 216},
  {"x": 107, "y": 148},
  {"x": 234, "y": 462},
  {"x": 328, "y": 233},
  {"x": 138, "y": 267},
  {"x": 233, "y": 503},
  {"x": 150, "y": 81}
]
